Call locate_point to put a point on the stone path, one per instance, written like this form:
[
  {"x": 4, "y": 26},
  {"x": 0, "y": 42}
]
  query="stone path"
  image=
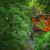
[{"x": 30, "y": 44}]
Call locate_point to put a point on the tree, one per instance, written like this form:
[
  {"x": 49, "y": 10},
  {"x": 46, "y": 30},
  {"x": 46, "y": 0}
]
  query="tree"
[
  {"x": 14, "y": 24},
  {"x": 45, "y": 3}
]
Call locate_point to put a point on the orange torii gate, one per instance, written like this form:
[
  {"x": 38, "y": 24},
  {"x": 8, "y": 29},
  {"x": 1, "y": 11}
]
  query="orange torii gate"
[{"x": 42, "y": 16}]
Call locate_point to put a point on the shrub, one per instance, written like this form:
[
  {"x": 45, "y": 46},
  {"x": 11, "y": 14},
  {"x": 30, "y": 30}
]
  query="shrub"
[{"x": 14, "y": 26}]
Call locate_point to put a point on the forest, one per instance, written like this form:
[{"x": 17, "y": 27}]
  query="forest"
[{"x": 15, "y": 24}]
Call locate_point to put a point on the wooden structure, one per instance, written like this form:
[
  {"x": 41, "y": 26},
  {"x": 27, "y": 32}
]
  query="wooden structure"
[{"x": 42, "y": 16}]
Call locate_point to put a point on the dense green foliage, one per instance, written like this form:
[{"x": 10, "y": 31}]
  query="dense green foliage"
[
  {"x": 44, "y": 4},
  {"x": 14, "y": 24},
  {"x": 43, "y": 41}
]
